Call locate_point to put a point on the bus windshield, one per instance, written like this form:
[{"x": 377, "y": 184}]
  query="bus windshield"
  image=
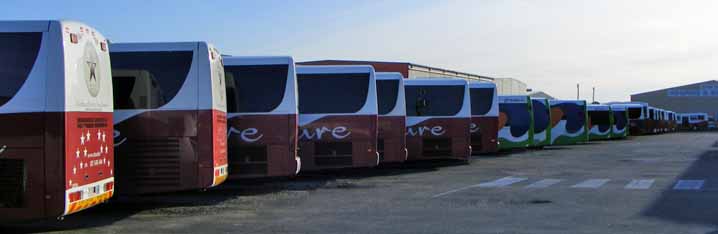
[
  {"x": 434, "y": 100},
  {"x": 19, "y": 51},
  {"x": 332, "y": 93},
  {"x": 255, "y": 88},
  {"x": 148, "y": 80}
]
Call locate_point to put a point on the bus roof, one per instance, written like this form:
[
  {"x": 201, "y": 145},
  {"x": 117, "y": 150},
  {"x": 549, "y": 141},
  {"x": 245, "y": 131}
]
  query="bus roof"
[
  {"x": 440, "y": 81},
  {"x": 513, "y": 99},
  {"x": 257, "y": 60},
  {"x": 476, "y": 84},
  {"x": 389, "y": 76},
  {"x": 26, "y": 25},
  {"x": 598, "y": 107},
  {"x": 330, "y": 69},
  {"x": 580, "y": 102},
  {"x": 155, "y": 46}
]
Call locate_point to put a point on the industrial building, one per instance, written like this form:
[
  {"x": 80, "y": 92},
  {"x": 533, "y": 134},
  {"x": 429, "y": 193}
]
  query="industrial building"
[
  {"x": 698, "y": 97},
  {"x": 541, "y": 94},
  {"x": 511, "y": 86},
  {"x": 408, "y": 70}
]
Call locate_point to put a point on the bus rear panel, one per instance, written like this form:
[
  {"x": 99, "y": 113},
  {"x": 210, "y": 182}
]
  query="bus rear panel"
[
  {"x": 338, "y": 121},
  {"x": 484, "y": 117},
  {"x": 516, "y": 122},
  {"x": 392, "y": 117},
  {"x": 170, "y": 117},
  {"x": 262, "y": 107},
  {"x": 438, "y": 119},
  {"x": 56, "y": 156}
]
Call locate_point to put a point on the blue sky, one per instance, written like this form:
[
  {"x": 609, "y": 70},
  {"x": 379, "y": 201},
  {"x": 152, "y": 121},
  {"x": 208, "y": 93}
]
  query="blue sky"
[{"x": 620, "y": 47}]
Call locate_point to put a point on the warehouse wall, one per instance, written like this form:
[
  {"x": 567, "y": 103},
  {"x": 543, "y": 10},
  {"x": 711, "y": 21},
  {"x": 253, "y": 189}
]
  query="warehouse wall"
[
  {"x": 510, "y": 86},
  {"x": 699, "y": 97}
]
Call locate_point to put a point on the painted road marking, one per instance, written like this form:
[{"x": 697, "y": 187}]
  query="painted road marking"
[
  {"x": 496, "y": 183},
  {"x": 688, "y": 185},
  {"x": 591, "y": 183},
  {"x": 640, "y": 184},
  {"x": 503, "y": 182},
  {"x": 544, "y": 183}
]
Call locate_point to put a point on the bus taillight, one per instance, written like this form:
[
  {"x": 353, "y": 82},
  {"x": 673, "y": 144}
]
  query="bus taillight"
[{"x": 76, "y": 196}]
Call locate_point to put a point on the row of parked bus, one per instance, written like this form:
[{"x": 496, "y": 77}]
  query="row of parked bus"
[{"x": 83, "y": 118}]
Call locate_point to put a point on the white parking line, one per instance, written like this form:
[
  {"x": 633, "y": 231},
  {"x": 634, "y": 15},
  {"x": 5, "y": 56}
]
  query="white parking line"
[
  {"x": 496, "y": 183},
  {"x": 640, "y": 184},
  {"x": 506, "y": 181},
  {"x": 591, "y": 183},
  {"x": 688, "y": 185},
  {"x": 544, "y": 183}
]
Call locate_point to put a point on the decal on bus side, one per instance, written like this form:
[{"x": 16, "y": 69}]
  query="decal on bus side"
[
  {"x": 247, "y": 135},
  {"x": 474, "y": 128},
  {"x": 118, "y": 138},
  {"x": 420, "y": 130},
  {"x": 339, "y": 132}
]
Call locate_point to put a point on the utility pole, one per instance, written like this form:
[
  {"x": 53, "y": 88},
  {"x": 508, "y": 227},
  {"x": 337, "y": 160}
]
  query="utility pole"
[
  {"x": 593, "y": 95},
  {"x": 578, "y": 92}
]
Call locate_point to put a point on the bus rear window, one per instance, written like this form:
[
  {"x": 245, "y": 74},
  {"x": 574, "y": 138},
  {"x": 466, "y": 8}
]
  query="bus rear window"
[
  {"x": 148, "y": 80},
  {"x": 634, "y": 113},
  {"x": 481, "y": 100},
  {"x": 332, "y": 93},
  {"x": 599, "y": 117},
  {"x": 387, "y": 92},
  {"x": 19, "y": 51},
  {"x": 434, "y": 100},
  {"x": 255, "y": 88}
]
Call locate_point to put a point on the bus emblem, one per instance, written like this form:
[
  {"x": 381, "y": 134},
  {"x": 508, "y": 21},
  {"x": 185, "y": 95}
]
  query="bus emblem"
[{"x": 90, "y": 72}]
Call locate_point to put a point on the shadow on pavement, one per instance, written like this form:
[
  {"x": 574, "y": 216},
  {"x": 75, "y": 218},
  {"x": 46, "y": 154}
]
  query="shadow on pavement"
[
  {"x": 199, "y": 202},
  {"x": 690, "y": 206}
]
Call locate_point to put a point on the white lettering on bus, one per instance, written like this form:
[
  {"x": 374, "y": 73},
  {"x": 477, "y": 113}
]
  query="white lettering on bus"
[
  {"x": 117, "y": 135},
  {"x": 420, "y": 130},
  {"x": 474, "y": 128},
  {"x": 338, "y": 133},
  {"x": 247, "y": 135}
]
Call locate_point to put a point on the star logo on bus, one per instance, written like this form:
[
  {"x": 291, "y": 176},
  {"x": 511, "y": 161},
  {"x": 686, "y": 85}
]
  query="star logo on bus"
[
  {"x": 88, "y": 136},
  {"x": 92, "y": 67},
  {"x": 77, "y": 153},
  {"x": 99, "y": 135},
  {"x": 82, "y": 140}
]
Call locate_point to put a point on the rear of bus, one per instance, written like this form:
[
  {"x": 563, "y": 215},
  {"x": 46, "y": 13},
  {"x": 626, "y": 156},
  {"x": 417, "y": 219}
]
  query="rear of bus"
[
  {"x": 392, "y": 117},
  {"x": 569, "y": 122},
  {"x": 542, "y": 120},
  {"x": 516, "y": 122},
  {"x": 484, "y": 117},
  {"x": 262, "y": 116},
  {"x": 170, "y": 116},
  {"x": 637, "y": 115},
  {"x": 619, "y": 129},
  {"x": 438, "y": 118},
  {"x": 600, "y": 122},
  {"x": 56, "y": 115},
  {"x": 337, "y": 117}
]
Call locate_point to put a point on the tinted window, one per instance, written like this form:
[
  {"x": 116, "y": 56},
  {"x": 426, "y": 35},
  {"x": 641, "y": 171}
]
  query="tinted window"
[
  {"x": 519, "y": 117},
  {"x": 575, "y": 116},
  {"x": 651, "y": 114},
  {"x": 147, "y": 80},
  {"x": 18, "y": 52},
  {"x": 332, "y": 93},
  {"x": 634, "y": 113},
  {"x": 599, "y": 117},
  {"x": 387, "y": 92},
  {"x": 619, "y": 118},
  {"x": 541, "y": 115},
  {"x": 256, "y": 88},
  {"x": 434, "y": 100},
  {"x": 481, "y": 100}
]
